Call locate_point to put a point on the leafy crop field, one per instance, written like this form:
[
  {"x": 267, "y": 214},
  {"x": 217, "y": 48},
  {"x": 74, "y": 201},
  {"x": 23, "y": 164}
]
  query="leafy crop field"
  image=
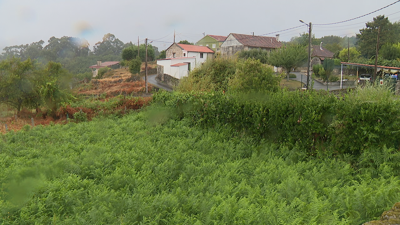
[{"x": 145, "y": 168}]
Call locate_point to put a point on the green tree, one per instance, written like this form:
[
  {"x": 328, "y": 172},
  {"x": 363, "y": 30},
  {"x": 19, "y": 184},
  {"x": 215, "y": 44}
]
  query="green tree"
[
  {"x": 368, "y": 36},
  {"x": 252, "y": 76},
  {"x": 109, "y": 46},
  {"x": 134, "y": 65},
  {"x": 303, "y": 40},
  {"x": 16, "y": 82},
  {"x": 390, "y": 51},
  {"x": 344, "y": 54},
  {"x": 259, "y": 54},
  {"x": 54, "y": 84},
  {"x": 162, "y": 55},
  {"x": 131, "y": 52},
  {"x": 185, "y": 42},
  {"x": 288, "y": 57},
  {"x": 328, "y": 65}
]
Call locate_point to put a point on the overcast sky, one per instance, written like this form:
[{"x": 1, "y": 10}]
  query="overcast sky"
[{"x": 27, "y": 21}]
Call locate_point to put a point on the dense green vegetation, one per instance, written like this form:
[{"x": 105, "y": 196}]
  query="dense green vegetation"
[
  {"x": 148, "y": 168},
  {"x": 27, "y": 84},
  {"x": 243, "y": 75}
]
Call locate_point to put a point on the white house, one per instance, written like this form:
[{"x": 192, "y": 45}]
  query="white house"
[{"x": 182, "y": 58}]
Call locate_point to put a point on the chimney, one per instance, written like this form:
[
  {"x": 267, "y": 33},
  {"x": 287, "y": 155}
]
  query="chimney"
[
  {"x": 277, "y": 37},
  {"x": 98, "y": 63},
  {"x": 320, "y": 46}
]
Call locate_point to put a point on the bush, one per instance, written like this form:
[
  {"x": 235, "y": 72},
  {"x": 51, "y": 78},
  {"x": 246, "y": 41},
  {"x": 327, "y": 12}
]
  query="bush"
[
  {"x": 134, "y": 65},
  {"x": 213, "y": 75},
  {"x": 102, "y": 71},
  {"x": 252, "y": 76},
  {"x": 292, "y": 75},
  {"x": 333, "y": 78},
  {"x": 316, "y": 69},
  {"x": 315, "y": 122},
  {"x": 80, "y": 116}
]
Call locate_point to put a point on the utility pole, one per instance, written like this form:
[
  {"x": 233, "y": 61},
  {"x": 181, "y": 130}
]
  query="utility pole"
[
  {"x": 145, "y": 66},
  {"x": 376, "y": 55},
  {"x": 348, "y": 49},
  {"x": 309, "y": 55}
]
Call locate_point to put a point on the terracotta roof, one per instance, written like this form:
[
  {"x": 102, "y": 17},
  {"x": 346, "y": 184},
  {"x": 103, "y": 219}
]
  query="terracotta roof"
[
  {"x": 195, "y": 48},
  {"x": 218, "y": 37},
  {"x": 321, "y": 52},
  {"x": 179, "y": 64},
  {"x": 257, "y": 41},
  {"x": 104, "y": 64}
]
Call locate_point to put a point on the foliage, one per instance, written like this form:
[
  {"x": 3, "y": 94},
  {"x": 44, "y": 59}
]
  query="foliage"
[
  {"x": 73, "y": 53},
  {"x": 303, "y": 40},
  {"x": 131, "y": 52},
  {"x": 16, "y": 83},
  {"x": 163, "y": 55},
  {"x": 134, "y": 65},
  {"x": 253, "y": 77},
  {"x": 258, "y": 54},
  {"x": 328, "y": 65},
  {"x": 212, "y": 75},
  {"x": 312, "y": 121},
  {"x": 185, "y": 42},
  {"x": 102, "y": 71},
  {"x": 80, "y": 116},
  {"x": 316, "y": 69},
  {"x": 131, "y": 171},
  {"x": 368, "y": 36},
  {"x": 54, "y": 85},
  {"x": 390, "y": 51},
  {"x": 288, "y": 57},
  {"x": 352, "y": 52}
]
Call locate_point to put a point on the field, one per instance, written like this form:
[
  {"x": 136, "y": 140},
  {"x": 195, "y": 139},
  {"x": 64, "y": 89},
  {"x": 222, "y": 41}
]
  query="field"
[{"x": 148, "y": 168}]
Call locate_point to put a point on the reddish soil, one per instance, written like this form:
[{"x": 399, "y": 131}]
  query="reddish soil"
[{"x": 121, "y": 83}]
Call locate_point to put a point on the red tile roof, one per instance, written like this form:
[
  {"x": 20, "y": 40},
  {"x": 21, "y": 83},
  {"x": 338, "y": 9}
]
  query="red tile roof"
[
  {"x": 321, "y": 52},
  {"x": 179, "y": 64},
  {"x": 257, "y": 41},
  {"x": 195, "y": 48},
  {"x": 104, "y": 64},
  {"x": 218, "y": 37}
]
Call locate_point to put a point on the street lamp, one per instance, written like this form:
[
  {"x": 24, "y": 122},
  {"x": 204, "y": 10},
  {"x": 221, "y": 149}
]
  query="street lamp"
[{"x": 309, "y": 52}]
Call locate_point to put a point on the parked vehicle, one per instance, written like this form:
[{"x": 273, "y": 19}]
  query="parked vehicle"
[{"x": 364, "y": 78}]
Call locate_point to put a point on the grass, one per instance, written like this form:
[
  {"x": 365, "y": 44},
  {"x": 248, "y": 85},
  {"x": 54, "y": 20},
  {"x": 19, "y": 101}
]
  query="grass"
[{"x": 291, "y": 84}]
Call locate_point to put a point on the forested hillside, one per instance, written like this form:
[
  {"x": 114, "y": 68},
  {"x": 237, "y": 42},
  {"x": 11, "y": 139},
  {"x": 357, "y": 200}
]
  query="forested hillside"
[{"x": 74, "y": 54}]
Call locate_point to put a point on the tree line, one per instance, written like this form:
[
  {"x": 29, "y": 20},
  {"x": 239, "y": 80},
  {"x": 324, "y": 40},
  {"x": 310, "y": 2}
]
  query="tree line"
[{"x": 74, "y": 54}]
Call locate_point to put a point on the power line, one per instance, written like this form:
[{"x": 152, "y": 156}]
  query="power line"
[{"x": 344, "y": 21}]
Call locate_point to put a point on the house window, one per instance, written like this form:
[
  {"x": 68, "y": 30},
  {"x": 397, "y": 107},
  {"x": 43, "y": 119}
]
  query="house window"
[
  {"x": 173, "y": 55},
  {"x": 201, "y": 55},
  {"x": 184, "y": 54},
  {"x": 214, "y": 46}
]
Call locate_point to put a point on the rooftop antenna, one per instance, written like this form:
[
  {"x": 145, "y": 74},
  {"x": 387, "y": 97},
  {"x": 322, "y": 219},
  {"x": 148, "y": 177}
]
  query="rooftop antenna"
[{"x": 174, "y": 36}]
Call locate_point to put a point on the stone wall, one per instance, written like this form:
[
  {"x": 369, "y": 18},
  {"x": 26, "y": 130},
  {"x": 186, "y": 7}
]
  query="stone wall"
[
  {"x": 167, "y": 80},
  {"x": 391, "y": 217},
  {"x": 174, "y": 49}
]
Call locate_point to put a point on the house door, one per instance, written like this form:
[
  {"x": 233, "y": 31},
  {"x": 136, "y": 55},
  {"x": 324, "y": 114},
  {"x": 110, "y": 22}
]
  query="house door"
[{"x": 188, "y": 66}]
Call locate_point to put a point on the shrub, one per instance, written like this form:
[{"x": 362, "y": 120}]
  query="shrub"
[
  {"x": 333, "y": 78},
  {"x": 134, "y": 65},
  {"x": 252, "y": 76},
  {"x": 292, "y": 75},
  {"x": 80, "y": 116},
  {"x": 102, "y": 71}
]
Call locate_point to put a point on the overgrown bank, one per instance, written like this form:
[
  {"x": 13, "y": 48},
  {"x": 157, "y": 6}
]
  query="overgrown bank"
[
  {"x": 146, "y": 168},
  {"x": 315, "y": 122}
]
